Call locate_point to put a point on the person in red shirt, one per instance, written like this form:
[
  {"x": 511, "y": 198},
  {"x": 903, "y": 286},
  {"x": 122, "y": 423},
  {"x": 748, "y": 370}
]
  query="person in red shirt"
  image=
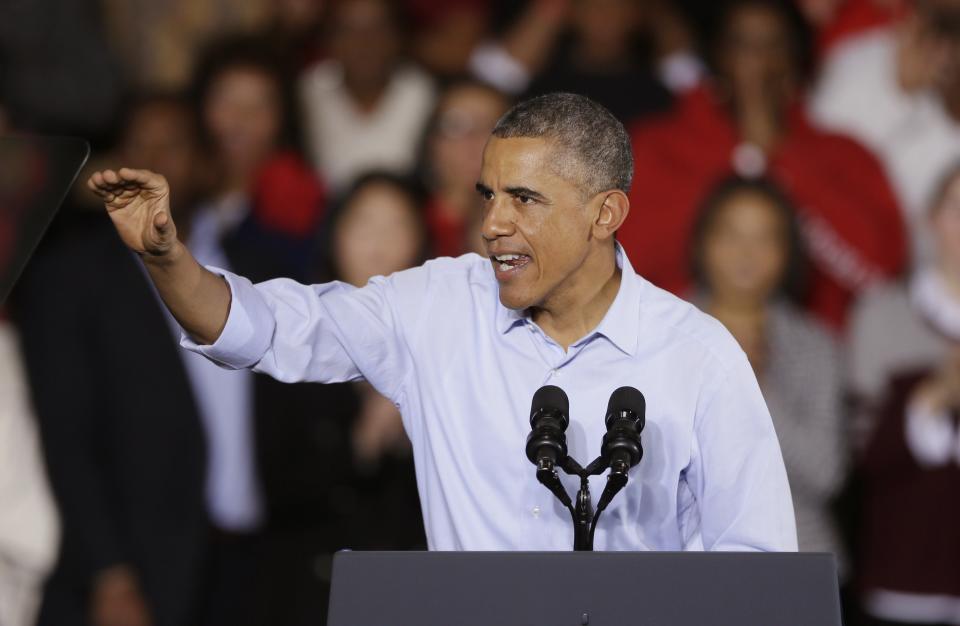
[{"x": 749, "y": 120}]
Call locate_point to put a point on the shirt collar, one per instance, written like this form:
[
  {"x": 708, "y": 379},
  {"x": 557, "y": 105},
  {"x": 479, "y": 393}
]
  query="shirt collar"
[{"x": 620, "y": 325}]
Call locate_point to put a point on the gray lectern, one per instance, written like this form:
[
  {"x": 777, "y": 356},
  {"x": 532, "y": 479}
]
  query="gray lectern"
[{"x": 583, "y": 588}]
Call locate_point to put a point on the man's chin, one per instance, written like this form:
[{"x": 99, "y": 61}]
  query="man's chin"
[{"x": 515, "y": 301}]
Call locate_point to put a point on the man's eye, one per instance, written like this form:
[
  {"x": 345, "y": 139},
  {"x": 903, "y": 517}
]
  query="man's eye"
[
  {"x": 486, "y": 195},
  {"x": 524, "y": 199}
]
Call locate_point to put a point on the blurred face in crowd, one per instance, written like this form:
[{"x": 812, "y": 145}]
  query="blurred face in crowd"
[
  {"x": 244, "y": 117},
  {"x": 820, "y": 12},
  {"x": 745, "y": 249},
  {"x": 542, "y": 221},
  {"x": 940, "y": 21},
  {"x": 605, "y": 27},
  {"x": 465, "y": 117},
  {"x": 756, "y": 51},
  {"x": 298, "y": 15},
  {"x": 945, "y": 220},
  {"x": 161, "y": 137},
  {"x": 365, "y": 40},
  {"x": 379, "y": 233}
]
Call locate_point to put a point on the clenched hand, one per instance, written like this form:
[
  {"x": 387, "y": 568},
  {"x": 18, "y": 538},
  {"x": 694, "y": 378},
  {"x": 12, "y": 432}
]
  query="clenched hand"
[{"x": 138, "y": 202}]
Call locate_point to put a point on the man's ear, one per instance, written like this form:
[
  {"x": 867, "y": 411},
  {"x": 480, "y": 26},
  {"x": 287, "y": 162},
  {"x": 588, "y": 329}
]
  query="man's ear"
[{"x": 613, "y": 211}]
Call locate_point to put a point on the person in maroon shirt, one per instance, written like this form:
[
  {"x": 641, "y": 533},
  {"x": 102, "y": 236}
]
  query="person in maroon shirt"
[
  {"x": 908, "y": 527},
  {"x": 750, "y": 120}
]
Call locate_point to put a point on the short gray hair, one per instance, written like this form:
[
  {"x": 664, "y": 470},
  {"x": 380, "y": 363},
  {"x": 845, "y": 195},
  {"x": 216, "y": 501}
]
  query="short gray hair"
[{"x": 596, "y": 146}]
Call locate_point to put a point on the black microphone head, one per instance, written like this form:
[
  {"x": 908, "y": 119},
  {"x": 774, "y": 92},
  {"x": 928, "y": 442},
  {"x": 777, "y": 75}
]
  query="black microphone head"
[
  {"x": 552, "y": 399},
  {"x": 627, "y": 400},
  {"x": 548, "y": 421}
]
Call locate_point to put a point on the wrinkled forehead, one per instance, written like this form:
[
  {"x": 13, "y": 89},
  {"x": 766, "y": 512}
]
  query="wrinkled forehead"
[{"x": 524, "y": 160}]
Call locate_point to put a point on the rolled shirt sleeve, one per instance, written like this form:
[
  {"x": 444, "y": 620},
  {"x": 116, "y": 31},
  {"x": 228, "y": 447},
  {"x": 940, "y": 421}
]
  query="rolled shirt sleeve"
[
  {"x": 327, "y": 333},
  {"x": 250, "y": 325}
]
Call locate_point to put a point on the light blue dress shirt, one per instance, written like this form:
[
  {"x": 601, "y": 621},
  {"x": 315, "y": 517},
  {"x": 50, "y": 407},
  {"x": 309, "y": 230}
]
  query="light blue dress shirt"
[{"x": 463, "y": 369}]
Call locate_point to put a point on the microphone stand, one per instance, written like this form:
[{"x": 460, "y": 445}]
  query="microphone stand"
[{"x": 584, "y": 518}]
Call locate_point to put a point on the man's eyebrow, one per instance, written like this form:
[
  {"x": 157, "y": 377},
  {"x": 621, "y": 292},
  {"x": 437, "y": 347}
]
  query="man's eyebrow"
[
  {"x": 483, "y": 189},
  {"x": 526, "y": 191}
]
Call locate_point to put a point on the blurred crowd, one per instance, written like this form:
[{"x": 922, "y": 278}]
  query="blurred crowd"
[{"x": 797, "y": 177}]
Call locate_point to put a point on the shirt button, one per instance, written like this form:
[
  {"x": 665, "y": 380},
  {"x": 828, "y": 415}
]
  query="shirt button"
[
  {"x": 555, "y": 372},
  {"x": 536, "y": 511}
]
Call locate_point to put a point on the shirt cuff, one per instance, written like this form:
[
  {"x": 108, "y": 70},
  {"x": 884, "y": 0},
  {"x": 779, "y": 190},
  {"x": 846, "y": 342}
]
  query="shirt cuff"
[{"x": 247, "y": 334}]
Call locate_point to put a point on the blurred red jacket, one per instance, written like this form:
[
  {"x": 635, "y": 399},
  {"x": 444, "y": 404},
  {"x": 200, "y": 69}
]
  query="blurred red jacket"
[
  {"x": 288, "y": 197},
  {"x": 850, "y": 219}
]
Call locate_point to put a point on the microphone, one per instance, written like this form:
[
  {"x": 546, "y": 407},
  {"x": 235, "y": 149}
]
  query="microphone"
[
  {"x": 625, "y": 419},
  {"x": 621, "y": 447},
  {"x": 547, "y": 441}
]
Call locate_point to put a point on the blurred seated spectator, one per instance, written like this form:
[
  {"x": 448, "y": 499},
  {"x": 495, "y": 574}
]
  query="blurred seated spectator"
[
  {"x": 123, "y": 440},
  {"x": 897, "y": 90},
  {"x": 466, "y": 113},
  {"x": 158, "y": 43},
  {"x": 750, "y": 269},
  {"x": 876, "y": 353},
  {"x": 258, "y": 186},
  {"x": 750, "y": 121},
  {"x": 376, "y": 229},
  {"x": 909, "y": 570},
  {"x": 602, "y": 58},
  {"x": 156, "y": 466},
  {"x": 336, "y": 465},
  {"x": 446, "y": 32},
  {"x": 364, "y": 106},
  {"x": 29, "y": 526}
]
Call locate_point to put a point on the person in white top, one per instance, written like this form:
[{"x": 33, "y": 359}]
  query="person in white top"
[
  {"x": 363, "y": 107},
  {"x": 29, "y": 524}
]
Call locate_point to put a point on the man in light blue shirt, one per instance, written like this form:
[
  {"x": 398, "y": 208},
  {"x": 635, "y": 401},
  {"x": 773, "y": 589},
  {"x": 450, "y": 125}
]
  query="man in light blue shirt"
[{"x": 461, "y": 345}]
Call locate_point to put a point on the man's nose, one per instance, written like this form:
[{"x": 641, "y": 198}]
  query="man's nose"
[{"x": 497, "y": 221}]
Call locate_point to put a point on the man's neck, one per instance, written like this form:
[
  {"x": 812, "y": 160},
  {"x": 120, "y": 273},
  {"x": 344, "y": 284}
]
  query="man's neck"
[{"x": 580, "y": 306}]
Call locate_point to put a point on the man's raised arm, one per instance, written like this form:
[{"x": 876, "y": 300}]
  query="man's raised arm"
[
  {"x": 326, "y": 333},
  {"x": 138, "y": 202}
]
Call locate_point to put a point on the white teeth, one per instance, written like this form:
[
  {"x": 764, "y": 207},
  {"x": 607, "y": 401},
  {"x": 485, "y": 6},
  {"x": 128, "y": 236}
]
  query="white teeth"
[
  {"x": 505, "y": 268},
  {"x": 507, "y": 257}
]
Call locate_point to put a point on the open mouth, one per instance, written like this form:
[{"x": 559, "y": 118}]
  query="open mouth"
[{"x": 506, "y": 265}]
